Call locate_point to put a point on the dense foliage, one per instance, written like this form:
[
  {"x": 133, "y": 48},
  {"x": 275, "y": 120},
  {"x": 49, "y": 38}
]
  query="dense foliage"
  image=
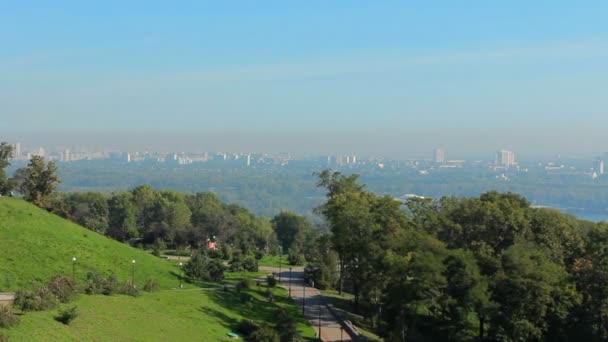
[{"x": 489, "y": 268}]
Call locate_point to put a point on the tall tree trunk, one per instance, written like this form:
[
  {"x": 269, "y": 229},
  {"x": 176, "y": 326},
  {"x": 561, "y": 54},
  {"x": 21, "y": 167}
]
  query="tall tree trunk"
[{"x": 481, "y": 328}]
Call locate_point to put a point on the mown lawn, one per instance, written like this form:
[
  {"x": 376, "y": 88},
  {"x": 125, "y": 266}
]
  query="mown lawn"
[
  {"x": 274, "y": 261},
  {"x": 36, "y": 245},
  {"x": 169, "y": 315}
]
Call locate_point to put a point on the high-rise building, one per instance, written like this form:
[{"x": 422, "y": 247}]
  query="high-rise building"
[
  {"x": 504, "y": 158},
  {"x": 599, "y": 166},
  {"x": 17, "y": 150},
  {"x": 66, "y": 155},
  {"x": 439, "y": 155}
]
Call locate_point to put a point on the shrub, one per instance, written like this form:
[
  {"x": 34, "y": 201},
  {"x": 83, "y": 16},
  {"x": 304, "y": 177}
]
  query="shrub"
[
  {"x": 286, "y": 325},
  {"x": 63, "y": 288},
  {"x": 226, "y": 251},
  {"x": 68, "y": 315},
  {"x": 7, "y": 317},
  {"x": 151, "y": 286},
  {"x": 158, "y": 247},
  {"x": 271, "y": 280},
  {"x": 258, "y": 255},
  {"x": 216, "y": 270},
  {"x": 245, "y": 297},
  {"x": 295, "y": 259},
  {"x": 264, "y": 334},
  {"x": 128, "y": 289},
  {"x": 40, "y": 300},
  {"x": 214, "y": 253},
  {"x": 97, "y": 284},
  {"x": 250, "y": 264},
  {"x": 243, "y": 284},
  {"x": 246, "y": 327}
]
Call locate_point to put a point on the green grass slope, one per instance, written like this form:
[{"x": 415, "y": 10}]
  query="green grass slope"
[
  {"x": 186, "y": 315},
  {"x": 35, "y": 245}
]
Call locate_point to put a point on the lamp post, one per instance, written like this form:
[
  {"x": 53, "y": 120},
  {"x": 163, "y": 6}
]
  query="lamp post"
[
  {"x": 280, "y": 262},
  {"x": 74, "y": 268},
  {"x": 320, "y": 307},
  {"x": 133, "y": 273},
  {"x": 181, "y": 275},
  {"x": 290, "y": 282},
  {"x": 303, "y": 297}
]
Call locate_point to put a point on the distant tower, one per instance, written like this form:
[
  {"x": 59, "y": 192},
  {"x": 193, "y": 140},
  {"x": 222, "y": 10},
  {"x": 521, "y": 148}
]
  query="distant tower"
[
  {"x": 17, "y": 151},
  {"x": 41, "y": 152},
  {"x": 66, "y": 155},
  {"x": 599, "y": 166},
  {"x": 249, "y": 160},
  {"x": 439, "y": 155},
  {"x": 504, "y": 158}
]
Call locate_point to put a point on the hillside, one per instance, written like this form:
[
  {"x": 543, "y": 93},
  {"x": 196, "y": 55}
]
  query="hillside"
[
  {"x": 186, "y": 315},
  {"x": 36, "y": 245}
]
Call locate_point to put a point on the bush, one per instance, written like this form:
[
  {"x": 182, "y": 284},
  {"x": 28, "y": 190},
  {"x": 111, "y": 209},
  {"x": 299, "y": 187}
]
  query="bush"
[
  {"x": 7, "y": 317},
  {"x": 250, "y": 264},
  {"x": 295, "y": 259},
  {"x": 68, "y": 315},
  {"x": 245, "y": 297},
  {"x": 97, "y": 284},
  {"x": 243, "y": 284},
  {"x": 246, "y": 327},
  {"x": 258, "y": 255},
  {"x": 214, "y": 253},
  {"x": 286, "y": 326},
  {"x": 63, "y": 288},
  {"x": 158, "y": 247},
  {"x": 40, "y": 300},
  {"x": 216, "y": 270},
  {"x": 128, "y": 289},
  {"x": 264, "y": 334},
  {"x": 271, "y": 280},
  {"x": 151, "y": 285}
]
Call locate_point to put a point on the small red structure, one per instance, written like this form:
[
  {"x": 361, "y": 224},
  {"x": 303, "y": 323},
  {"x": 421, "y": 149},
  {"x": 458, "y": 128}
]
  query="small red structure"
[{"x": 211, "y": 244}]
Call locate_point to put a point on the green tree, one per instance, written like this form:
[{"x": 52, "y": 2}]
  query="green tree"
[
  {"x": 291, "y": 230},
  {"x": 40, "y": 182},
  {"x": 6, "y": 153}
]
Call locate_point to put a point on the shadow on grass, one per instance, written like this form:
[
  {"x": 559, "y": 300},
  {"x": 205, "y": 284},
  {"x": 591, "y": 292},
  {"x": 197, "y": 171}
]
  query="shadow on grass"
[{"x": 253, "y": 305}]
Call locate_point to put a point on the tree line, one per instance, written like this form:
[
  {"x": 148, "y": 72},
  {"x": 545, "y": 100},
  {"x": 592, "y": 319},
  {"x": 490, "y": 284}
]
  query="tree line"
[{"x": 488, "y": 268}]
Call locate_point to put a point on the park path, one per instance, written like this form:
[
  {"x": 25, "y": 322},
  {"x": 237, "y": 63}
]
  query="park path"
[
  {"x": 6, "y": 298},
  {"x": 315, "y": 308}
]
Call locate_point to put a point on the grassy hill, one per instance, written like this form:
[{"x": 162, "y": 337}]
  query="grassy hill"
[
  {"x": 186, "y": 315},
  {"x": 35, "y": 245}
]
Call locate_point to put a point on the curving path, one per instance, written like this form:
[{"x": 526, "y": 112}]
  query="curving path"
[{"x": 315, "y": 308}]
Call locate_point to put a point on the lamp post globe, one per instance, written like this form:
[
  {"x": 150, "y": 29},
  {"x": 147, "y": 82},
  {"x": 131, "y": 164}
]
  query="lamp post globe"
[
  {"x": 74, "y": 268},
  {"x": 133, "y": 273}
]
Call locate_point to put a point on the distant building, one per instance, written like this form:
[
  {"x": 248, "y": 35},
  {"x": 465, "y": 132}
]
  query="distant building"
[
  {"x": 504, "y": 158},
  {"x": 439, "y": 155},
  {"x": 66, "y": 156},
  {"x": 599, "y": 166},
  {"x": 17, "y": 150}
]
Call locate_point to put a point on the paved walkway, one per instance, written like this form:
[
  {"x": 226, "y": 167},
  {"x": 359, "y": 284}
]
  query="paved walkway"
[
  {"x": 6, "y": 298},
  {"x": 315, "y": 308}
]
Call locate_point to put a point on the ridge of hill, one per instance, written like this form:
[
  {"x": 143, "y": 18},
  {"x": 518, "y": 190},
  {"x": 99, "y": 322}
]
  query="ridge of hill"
[{"x": 35, "y": 245}]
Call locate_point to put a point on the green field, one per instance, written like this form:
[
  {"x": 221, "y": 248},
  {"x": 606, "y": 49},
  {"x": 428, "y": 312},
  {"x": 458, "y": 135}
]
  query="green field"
[
  {"x": 186, "y": 315},
  {"x": 36, "y": 245},
  {"x": 274, "y": 261}
]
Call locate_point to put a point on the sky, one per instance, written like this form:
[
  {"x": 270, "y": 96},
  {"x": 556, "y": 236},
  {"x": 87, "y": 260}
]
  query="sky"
[{"x": 383, "y": 77}]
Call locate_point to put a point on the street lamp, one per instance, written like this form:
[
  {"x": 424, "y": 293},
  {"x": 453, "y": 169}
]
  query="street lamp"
[
  {"x": 133, "y": 273},
  {"x": 320, "y": 307},
  {"x": 181, "y": 275},
  {"x": 280, "y": 262},
  {"x": 74, "y": 268},
  {"x": 303, "y": 297},
  {"x": 290, "y": 282}
]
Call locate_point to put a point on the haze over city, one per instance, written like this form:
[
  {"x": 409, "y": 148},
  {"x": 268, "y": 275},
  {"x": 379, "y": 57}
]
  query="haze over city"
[{"x": 364, "y": 77}]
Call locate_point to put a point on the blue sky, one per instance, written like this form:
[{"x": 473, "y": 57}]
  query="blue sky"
[{"x": 307, "y": 76}]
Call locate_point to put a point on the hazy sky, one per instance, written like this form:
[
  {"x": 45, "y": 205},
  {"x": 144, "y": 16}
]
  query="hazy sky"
[{"x": 365, "y": 76}]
